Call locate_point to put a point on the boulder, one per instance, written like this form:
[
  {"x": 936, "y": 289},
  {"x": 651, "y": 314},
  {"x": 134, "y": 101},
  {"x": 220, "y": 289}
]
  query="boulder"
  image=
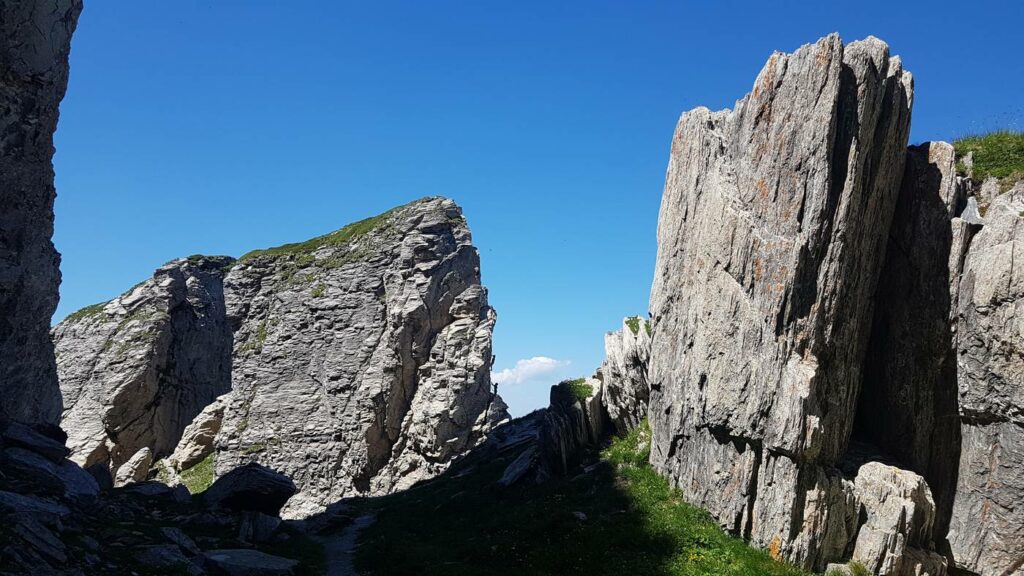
[
  {"x": 624, "y": 373},
  {"x": 135, "y": 371},
  {"x": 251, "y": 488},
  {"x": 34, "y": 59},
  {"x": 135, "y": 469},
  {"x": 361, "y": 358},
  {"x": 197, "y": 440},
  {"x": 771, "y": 237},
  {"x": 22, "y": 436},
  {"x": 241, "y": 562}
]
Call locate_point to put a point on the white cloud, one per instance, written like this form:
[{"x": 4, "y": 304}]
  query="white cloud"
[{"x": 528, "y": 369}]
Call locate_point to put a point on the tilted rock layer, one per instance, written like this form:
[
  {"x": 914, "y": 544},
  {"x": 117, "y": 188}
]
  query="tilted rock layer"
[
  {"x": 36, "y": 41},
  {"x": 987, "y": 530},
  {"x": 771, "y": 236},
  {"x": 135, "y": 371},
  {"x": 624, "y": 373},
  {"x": 362, "y": 358}
]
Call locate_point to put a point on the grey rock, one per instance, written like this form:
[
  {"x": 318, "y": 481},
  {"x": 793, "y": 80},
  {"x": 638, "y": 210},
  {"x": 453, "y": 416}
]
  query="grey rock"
[
  {"x": 160, "y": 556},
  {"x": 241, "y": 562},
  {"x": 180, "y": 539},
  {"x": 197, "y": 440},
  {"x": 624, "y": 373},
  {"x": 908, "y": 402},
  {"x": 257, "y": 527},
  {"x": 771, "y": 237},
  {"x": 77, "y": 482},
  {"x": 362, "y": 358},
  {"x": 135, "y": 469},
  {"x": 135, "y": 371},
  {"x": 251, "y": 487},
  {"x": 568, "y": 427},
  {"x": 987, "y": 530},
  {"x": 26, "y": 472},
  {"x": 34, "y": 60},
  {"x": 16, "y": 434}
]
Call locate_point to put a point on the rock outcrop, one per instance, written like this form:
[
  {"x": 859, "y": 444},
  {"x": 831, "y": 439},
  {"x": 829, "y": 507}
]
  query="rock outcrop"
[
  {"x": 36, "y": 42},
  {"x": 361, "y": 358},
  {"x": 987, "y": 531},
  {"x": 624, "y": 373},
  {"x": 771, "y": 237},
  {"x": 135, "y": 371}
]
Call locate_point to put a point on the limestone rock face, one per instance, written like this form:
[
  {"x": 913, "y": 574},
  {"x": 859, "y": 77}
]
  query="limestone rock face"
[
  {"x": 36, "y": 41},
  {"x": 624, "y": 373},
  {"x": 135, "y": 371},
  {"x": 987, "y": 530},
  {"x": 771, "y": 236},
  {"x": 197, "y": 440},
  {"x": 362, "y": 358}
]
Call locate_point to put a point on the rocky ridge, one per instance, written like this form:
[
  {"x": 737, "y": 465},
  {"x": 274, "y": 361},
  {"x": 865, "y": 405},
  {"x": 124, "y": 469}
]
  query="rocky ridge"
[{"x": 135, "y": 371}]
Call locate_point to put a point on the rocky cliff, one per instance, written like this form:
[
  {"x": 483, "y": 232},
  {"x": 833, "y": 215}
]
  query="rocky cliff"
[
  {"x": 624, "y": 373},
  {"x": 771, "y": 237},
  {"x": 135, "y": 371},
  {"x": 34, "y": 48},
  {"x": 361, "y": 358}
]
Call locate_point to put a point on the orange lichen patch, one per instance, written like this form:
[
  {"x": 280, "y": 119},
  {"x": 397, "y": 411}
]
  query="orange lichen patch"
[
  {"x": 758, "y": 269},
  {"x": 762, "y": 189},
  {"x": 775, "y": 548}
]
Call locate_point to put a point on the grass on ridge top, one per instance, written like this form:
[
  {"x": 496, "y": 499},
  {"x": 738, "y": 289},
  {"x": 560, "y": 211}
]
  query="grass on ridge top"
[
  {"x": 467, "y": 525},
  {"x": 999, "y": 154},
  {"x": 580, "y": 389}
]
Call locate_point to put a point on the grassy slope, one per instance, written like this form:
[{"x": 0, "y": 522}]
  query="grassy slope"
[
  {"x": 635, "y": 524},
  {"x": 998, "y": 154}
]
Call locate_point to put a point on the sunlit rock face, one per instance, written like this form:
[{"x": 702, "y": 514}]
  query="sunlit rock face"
[
  {"x": 771, "y": 237},
  {"x": 36, "y": 41},
  {"x": 361, "y": 358}
]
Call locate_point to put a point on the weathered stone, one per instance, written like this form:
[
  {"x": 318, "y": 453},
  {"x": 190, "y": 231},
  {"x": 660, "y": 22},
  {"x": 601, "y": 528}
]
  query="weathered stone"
[
  {"x": 257, "y": 527},
  {"x": 26, "y": 472},
  {"x": 179, "y": 538},
  {"x": 987, "y": 530},
  {"x": 135, "y": 469},
  {"x": 569, "y": 426},
  {"x": 771, "y": 237},
  {"x": 135, "y": 371},
  {"x": 77, "y": 482},
  {"x": 197, "y": 440},
  {"x": 241, "y": 562},
  {"x": 362, "y": 358},
  {"x": 36, "y": 41},
  {"x": 624, "y": 373},
  {"x": 908, "y": 402},
  {"x": 16, "y": 434},
  {"x": 251, "y": 487}
]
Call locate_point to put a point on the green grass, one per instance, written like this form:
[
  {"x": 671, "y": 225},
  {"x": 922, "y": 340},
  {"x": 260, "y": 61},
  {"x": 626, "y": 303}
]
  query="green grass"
[
  {"x": 199, "y": 477},
  {"x": 647, "y": 326},
  {"x": 997, "y": 154},
  {"x": 467, "y": 525},
  {"x": 580, "y": 388},
  {"x": 634, "y": 324},
  {"x": 81, "y": 313},
  {"x": 303, "y": 250}
]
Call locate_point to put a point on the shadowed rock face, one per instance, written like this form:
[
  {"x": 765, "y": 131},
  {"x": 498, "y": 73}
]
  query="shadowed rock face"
[
  {"x": 987, "y": 530},
  {"x": 771, "y": 236},
  {"x": 36, "y": 40},
  {"x": 362, "y": 358},
  {"x": 135, "y": 371}
]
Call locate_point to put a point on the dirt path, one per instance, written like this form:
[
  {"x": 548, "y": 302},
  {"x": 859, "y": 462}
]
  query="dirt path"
[{"x": 340, "y": 548}]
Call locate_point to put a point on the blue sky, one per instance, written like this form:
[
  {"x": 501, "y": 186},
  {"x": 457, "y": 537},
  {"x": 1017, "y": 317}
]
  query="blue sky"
[{"x": 221, "y": 126}]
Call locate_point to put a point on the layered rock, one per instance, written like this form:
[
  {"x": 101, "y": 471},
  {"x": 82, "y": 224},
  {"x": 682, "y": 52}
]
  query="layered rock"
[
  {"x": 771, "y": 237},
  {"x": 624, "y": 373},
  {"x": 135, "y": 371},
  {"x": 987, "y": 530},
  {"x": 361, "y": 358},
  {"x": 36, "y": 41}
]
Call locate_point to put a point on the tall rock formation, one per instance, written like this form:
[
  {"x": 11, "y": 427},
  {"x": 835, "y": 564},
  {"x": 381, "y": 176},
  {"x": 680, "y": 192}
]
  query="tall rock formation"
[
  {"x": 362, "y": 358},
  {"x": 36, "y": 41},
  {"x": 135, "y": 371},
  {"x": 987, "y": 531},
  {"x": 624, "y": 373},
  {"x": 771, "y": 237}
]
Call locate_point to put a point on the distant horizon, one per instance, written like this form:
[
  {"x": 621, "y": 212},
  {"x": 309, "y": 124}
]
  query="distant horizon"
[{"x": 219, "y": 128}]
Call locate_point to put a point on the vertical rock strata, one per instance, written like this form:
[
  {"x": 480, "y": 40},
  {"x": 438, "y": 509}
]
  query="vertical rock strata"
[
  {"x": 987, "y": 530},
  {"x": 135, "y": 371},
  {"x": 361, "y": 358},
  {"x": 36, "y": 42},
  {"x": 624, "y": 373},
  {"x": 771, "y": 236}
]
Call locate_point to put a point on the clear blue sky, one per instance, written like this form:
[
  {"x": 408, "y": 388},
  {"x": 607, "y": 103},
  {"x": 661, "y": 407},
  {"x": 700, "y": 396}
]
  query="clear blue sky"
[{"x": 220, "y": 126}]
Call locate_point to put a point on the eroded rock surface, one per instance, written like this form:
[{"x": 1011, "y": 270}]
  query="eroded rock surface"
[
  {"x": 771, "y": 237},
  {"x": 135, "y": 371},
  {"x": 34, "y": 49},
  {"x": 362, "y": 358},
  {"x": 624, "y": 373},
  {"x": 987, "y": 530}
]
